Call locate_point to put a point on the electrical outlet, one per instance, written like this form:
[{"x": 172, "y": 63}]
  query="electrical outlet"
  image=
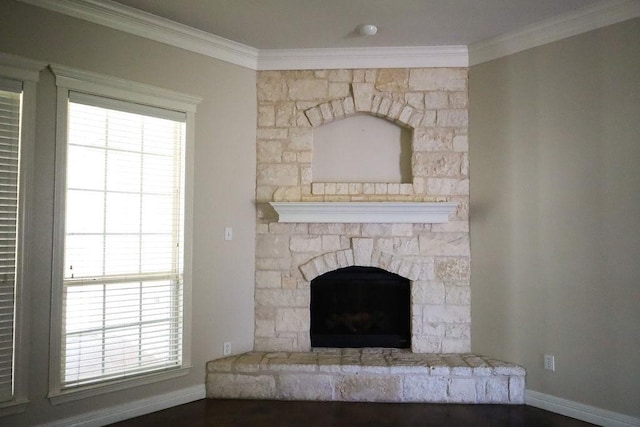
[
  {"x": 549, "y": 362},
  {"x": 228, "y": 233},
  {"x": 226, "y": 349}
]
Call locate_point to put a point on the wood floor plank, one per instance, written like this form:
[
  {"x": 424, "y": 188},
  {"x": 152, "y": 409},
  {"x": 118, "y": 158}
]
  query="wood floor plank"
[{"x": 226, "y": 413}]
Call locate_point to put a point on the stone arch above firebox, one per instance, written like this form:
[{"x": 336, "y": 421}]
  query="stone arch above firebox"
[
  {"x": 361, "y": 254},
  {"x": 366, "y": 99}
]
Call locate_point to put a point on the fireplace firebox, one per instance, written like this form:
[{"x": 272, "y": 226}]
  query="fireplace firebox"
[{"x": 357, "y": 307}]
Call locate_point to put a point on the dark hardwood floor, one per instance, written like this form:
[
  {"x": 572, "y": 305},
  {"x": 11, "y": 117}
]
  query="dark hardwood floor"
[{"x": 222, "y": 413}]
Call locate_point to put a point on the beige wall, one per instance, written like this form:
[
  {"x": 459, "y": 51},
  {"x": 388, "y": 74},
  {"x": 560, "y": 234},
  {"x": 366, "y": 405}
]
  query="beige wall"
[
  {"x": 224, "y": 187},
  {"x": 555, "y": 203}
]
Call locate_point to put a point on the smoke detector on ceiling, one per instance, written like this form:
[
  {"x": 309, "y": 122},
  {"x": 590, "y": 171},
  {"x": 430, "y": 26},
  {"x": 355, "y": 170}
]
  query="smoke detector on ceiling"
[{"x": 367, "y": 29}]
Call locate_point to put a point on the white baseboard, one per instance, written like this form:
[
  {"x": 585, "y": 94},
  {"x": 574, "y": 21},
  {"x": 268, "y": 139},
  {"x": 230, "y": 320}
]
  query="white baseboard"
[
  {"x": 579, "y": 411},
  {"x": 132, "y": 409}
]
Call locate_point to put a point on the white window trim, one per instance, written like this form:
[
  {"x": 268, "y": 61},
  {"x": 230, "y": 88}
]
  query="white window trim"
[
  {"x": 98, "y": 84},
  {"x": 28, "y": 72}
]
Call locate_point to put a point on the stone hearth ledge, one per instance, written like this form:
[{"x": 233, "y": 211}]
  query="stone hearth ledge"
[{"x": 366, "y": 375}]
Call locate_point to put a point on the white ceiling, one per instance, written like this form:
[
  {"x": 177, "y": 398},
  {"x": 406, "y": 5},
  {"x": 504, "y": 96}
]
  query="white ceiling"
[{"x": 307, "y": 24}]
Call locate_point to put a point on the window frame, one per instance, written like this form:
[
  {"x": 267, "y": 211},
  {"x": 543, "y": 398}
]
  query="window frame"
[
  {"x": 70, "y": 79},
  {"x": 26, "y": 71}
]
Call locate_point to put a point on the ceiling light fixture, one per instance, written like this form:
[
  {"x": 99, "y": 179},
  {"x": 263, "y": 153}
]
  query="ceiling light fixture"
[{"x": 367, "y": 29}]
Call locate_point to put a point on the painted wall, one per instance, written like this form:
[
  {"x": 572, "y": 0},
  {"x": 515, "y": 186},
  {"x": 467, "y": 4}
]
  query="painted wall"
[
  {"x": 224, "y": 188},
  {"x": 555, "y": 203}
]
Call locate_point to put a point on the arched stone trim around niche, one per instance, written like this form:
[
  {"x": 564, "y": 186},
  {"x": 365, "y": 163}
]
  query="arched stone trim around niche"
[
  {"x": 361, "y": 254},
  {"x": 366, "y": 99}
]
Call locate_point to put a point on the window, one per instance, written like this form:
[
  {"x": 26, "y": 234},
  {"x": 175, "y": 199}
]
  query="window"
[
  {"x": 18, "y": 78},
  {"x": 122, "y": 274},
  {"x": 10, "y": 107}
]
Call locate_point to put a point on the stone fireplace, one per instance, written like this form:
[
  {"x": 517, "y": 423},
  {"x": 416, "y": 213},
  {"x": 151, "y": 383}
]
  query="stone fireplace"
[
  {"x": 321, "y": 229},
  {"x": 432, "y": 105}
]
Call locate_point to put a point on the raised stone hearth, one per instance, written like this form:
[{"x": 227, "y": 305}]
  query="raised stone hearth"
[{"x": 366, "y": 375}]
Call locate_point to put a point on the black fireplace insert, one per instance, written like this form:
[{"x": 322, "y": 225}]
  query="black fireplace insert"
[{"x": 360, "y": 307}]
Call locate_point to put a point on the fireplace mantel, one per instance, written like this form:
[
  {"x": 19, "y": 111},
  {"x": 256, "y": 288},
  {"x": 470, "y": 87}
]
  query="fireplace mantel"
[{"x": 364, "y": 212}]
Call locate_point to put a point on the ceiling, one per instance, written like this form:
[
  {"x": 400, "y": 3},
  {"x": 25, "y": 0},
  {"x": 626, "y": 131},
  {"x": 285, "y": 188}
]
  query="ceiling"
[{"x": 309, "y": 24}]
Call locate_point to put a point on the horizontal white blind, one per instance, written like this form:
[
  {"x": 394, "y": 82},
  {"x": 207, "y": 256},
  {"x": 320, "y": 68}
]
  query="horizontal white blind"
[
  {"x": 123, "y": 276},
  {"x": 10, "y": 104}
]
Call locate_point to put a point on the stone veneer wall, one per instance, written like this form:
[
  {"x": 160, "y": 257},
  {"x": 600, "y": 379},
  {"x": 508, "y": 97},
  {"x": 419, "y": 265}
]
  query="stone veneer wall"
[{"x": 432, "y": 103}]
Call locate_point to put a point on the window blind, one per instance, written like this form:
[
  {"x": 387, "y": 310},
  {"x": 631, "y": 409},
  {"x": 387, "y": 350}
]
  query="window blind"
[
  {"x": 10, "y": 107},
  {"x": 123, "y": 260}
]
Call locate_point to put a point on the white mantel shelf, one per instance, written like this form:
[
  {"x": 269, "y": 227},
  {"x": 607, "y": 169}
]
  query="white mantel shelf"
[{"x": 364, "y": 212}]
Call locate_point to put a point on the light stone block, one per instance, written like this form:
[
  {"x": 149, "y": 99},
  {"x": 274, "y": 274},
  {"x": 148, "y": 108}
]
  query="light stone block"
[
  {"x": 292, "y": 320},
  {"x": 405, "y": 114},
  {"x": 395, "y": 110},
  {"x": 436, "y": 79},
  {"x": 285, "y": 114},
  {"x": 453, "y": 118},
  {"x": 368, "y": 388},
  {"x": 268, "y": 279},
  {"x": 431, "y": 293},
  {"x": 339, "y": 75},
  {"x": 270, "y": 246},
  {"x": 300, "y": 139},
  {"x": 348, "y": 106},
  {"x": 241, "y": 386},
  {"x": 266, "y": 116},
  {"x": 433, "y": 139},
  {"x": 362, "y": 251},
  {"x": 305, "y": 387},
  {"x": 385, "y": 106},
  {"x": 265, "y": 328},
  {"x": 339, "y": 90},
  {"x": 458, "y": 99},
  {"x": 392, "y": 79},
  {"x": 425, "y": 344},
  {"x": 458, "y": 295},
  {"x": 435, "y": 100},
  {"x": 314, "y": 115},
  {"x": 447, "y": 186},
  {"x": 308, "y": 90},
  {"x": 282, "y": 297},
  {"x": 305, "y": 244},
  {"x": 434, "y": 164},
  {"x": 446, "y": 314},
  {"x": 462, "y": 390},
  {"x": 271, "y": 89},
  {"x": 444, "y": 244},
  {"x": 516, "y": 389},
  {"x": 330, "y": 243},
  {"x": 424, "y": 388},
  {"x": 362, "y": 96},
  {"x": 270, "y": 133},
  {"x": 277, "y": 174},
  {"x": 415, "y": 99},
  {"x": 336, "y": 108},
  {"x": 496, "y": 390},
  {"x": 452, "y": 268}
]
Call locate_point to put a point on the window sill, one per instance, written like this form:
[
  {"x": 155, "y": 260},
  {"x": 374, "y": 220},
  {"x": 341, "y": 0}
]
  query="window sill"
[
  {"x": 79, "y": 393},
  {"x": 12, "y": 407}
]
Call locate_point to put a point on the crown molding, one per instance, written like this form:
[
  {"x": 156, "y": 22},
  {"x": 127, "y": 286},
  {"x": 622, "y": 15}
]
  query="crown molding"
[
  {"x": 365, "y": 57},
  {"x": 124, "y": 18},
  {"x": 557, "y": 28}
]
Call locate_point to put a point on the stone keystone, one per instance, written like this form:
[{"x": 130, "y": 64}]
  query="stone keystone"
[{"x": 363, "y": 95}]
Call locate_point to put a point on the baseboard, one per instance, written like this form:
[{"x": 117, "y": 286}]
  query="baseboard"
[
  {"x": 579, "y": 411},
  {"x": 132, "y": 409}
]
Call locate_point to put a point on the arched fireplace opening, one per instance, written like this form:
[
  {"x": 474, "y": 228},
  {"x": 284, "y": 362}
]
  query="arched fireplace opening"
[{"x": 360, "y": 307}]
